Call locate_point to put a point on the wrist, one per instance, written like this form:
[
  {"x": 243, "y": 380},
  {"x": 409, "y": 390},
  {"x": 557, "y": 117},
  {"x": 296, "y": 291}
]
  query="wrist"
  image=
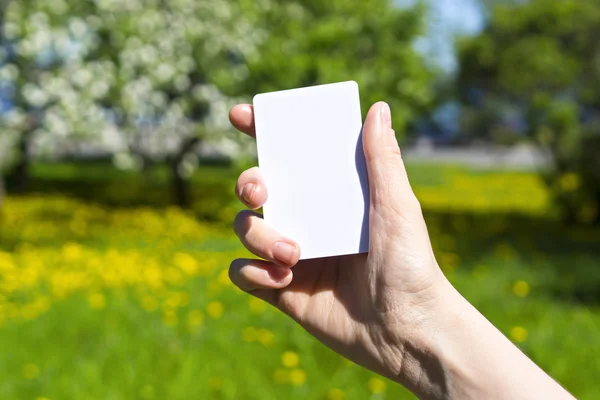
[
  {"x": 412, "y": 353},
  {"x": 458, "y": 353}
]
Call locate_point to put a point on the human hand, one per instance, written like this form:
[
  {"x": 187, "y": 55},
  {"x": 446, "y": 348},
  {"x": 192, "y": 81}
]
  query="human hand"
[
  {"x": 358, "y": 304},
  {"x": 391, "y": 310}
]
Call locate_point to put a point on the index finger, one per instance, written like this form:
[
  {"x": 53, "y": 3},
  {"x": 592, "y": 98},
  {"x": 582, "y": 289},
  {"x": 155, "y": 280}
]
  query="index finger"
[{"x": 242, "y": 118}]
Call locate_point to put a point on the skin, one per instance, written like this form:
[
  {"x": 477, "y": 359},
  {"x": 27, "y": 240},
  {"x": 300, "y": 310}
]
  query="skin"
[{"x": 391, "y": 310}]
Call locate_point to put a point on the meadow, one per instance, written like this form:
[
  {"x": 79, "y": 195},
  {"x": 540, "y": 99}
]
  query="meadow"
[{"x": 106, "y": 292}]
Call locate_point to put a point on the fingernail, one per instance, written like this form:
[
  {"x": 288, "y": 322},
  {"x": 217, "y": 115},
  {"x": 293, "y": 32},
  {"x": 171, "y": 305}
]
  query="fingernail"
[
  {"x": 248, "y": 192},
  {"x": 278, "y": 274},
  {"x": 284, "y": 252},
  {"x": 386, "y": 115}
]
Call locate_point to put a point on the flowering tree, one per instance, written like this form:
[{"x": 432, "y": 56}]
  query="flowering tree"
[
  {"x": 129, "y": 78},
  {"x": 42, "y": 44},
  {"x": 3, "y": 146},
  {"x": 148, "y": 80},
  {"x": 157, "y": 63}
]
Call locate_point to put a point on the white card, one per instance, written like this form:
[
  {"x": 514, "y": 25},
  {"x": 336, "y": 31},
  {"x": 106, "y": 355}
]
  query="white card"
[{"x": 311, "y": 157}]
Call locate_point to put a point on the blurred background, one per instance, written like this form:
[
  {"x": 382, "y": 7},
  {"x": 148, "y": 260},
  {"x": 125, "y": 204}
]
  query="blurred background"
[{"x": 118, "y": 167}]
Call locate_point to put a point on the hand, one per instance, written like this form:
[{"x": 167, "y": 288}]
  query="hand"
[
  {"x": 375, "y": 309},
  {"x": 391, "y": 310}
]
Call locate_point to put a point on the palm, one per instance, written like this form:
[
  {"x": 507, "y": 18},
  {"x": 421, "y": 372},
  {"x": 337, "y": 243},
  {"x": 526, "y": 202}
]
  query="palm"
[
  {"x": 326, "y": 293},
  {"x": 329, "y": 299}
]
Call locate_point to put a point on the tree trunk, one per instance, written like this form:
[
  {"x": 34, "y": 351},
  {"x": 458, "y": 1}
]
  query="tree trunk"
[
  {"x": 2, "y": 190},
  {"x": 179, "y": 184},
  {"x": 180, "y": 187},
  {"x": 21, "y": 171}
]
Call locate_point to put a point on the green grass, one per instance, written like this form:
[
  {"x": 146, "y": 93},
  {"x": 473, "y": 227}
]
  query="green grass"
[
  {"x": 76, "y": 321},
  {"x": 124, "y": 352}
]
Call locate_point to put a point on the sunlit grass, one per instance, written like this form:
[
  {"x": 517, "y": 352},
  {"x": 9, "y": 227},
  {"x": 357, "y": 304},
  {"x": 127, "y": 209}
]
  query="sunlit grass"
[
  {"x": 460, "y": 188},
  {"x": 99, "y": 302}
]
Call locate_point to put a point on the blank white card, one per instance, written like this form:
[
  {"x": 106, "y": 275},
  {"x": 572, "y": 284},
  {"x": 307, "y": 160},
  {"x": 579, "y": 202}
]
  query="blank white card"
[{"x": 311, "y": 157}]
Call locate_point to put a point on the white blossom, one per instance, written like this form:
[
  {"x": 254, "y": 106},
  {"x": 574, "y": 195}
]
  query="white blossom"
[{"x": 156, "y": 45}]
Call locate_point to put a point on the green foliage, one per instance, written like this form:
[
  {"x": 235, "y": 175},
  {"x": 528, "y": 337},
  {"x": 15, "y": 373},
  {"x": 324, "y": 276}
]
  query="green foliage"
[
  {"x": 313, "y": 42},
  {"x": 538, "y": 61}
]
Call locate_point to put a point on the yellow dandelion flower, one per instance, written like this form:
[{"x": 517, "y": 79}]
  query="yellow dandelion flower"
[
  {"x": 518, "y": 334},
  {"x": 297, "y": 376},
  {"x": 521, "y": 288},
  {"x": 154, "y": 276},
  {"x": 335, "y": 394},
  {"x": 177, "y": 299},
  {"x": 149, "y": 303},
  {"x": 265, "y": 337},
  {"x": 42, "y": 304},
  {"x": 42, "y": 398},
  {"x": 170, "y": 318},
  {"x": 173, "y": 276},
  {"x": 97, "y": 301},
  {"x": 184, "y": 298},
  {"x": 72, "y": 251},
  {"x": 376, "y": 386},
  {"x": 281, "y": 376},
  {"x": 214, "y": 309},
  {"x": 290, "y": 359},
  {"x": 257, "y": 306},
  {"x": 249, "y": 334},
  {"x": 195, "y": 318},
  {"x": 569, "y": 182},
  {"x": 224, "y": 278},
  {"x": 186, "y": 263},
  {"x": 29, "y": 312},
  {"x": 78, "y": 226},
  {"x": 30, "y": 371}
]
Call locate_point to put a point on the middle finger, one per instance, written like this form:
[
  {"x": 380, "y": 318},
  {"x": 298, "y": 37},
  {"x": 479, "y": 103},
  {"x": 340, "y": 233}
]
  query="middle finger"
[{"x": 264, "y": 241}]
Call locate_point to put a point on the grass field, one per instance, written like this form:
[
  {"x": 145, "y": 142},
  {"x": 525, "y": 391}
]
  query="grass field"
[{"x": 99, "y": 301}]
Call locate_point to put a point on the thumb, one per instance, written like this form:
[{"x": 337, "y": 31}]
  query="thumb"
[{"x": 389, "y": 187}]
